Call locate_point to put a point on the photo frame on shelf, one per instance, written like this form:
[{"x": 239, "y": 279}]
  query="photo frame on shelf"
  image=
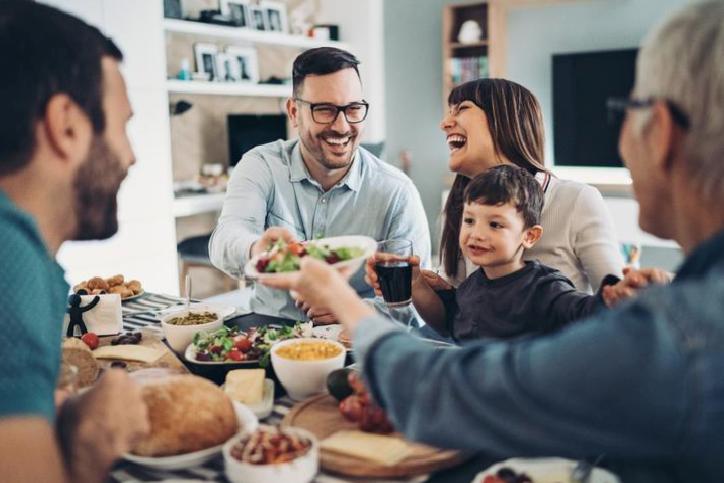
[
  {"x": 206, "y": 59},
  {"x": 275, "y": 14},
  {"x": 244, "y": 64},
  {"x": 225, "y": 68},
  {"x": 257, "y": 17},
  {"x": 237, "y": 11}
]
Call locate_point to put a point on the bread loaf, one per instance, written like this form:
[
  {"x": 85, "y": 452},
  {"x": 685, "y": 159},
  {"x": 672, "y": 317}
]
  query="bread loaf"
[
  {"x": 77, "y": 353},
  {"x": 186, "y": 413}
]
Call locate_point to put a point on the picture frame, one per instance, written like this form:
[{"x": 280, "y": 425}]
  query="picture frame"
[
  {"x": 224, "y": 67},
  {"x": 206, "y": 63},
  {"x": 244, "y": 64},
  {"x": 237, "y": 11},
  {"x": 275, "y": 14},
  {"x": 257, "y": 17}
]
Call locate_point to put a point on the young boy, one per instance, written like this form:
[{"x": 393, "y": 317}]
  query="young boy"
[{"x": 507, "y": 297}]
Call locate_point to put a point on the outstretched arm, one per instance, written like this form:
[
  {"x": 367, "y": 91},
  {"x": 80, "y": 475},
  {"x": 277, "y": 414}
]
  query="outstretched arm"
[{"x": 91, "y": 305}]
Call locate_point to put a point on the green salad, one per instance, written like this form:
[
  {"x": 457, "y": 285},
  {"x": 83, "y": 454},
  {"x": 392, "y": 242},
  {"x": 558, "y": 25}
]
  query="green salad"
[{"x": 285, "y": 257}]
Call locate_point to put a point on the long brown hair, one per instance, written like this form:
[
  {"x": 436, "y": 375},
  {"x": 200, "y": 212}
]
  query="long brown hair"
[{"x": 516, "y": 127}]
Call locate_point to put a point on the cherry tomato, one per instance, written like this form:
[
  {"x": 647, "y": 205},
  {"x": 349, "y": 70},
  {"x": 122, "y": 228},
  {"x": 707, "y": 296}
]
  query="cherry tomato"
[
  {"x": 296, "y": 249},
  {"x": 91, "y": 340},
  {"x": 351, "y": 408},
  {"x": 242, "y": 343},
  {"x": 236, "y": 355}
]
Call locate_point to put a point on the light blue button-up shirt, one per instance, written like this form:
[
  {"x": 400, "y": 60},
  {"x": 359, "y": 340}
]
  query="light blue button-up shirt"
[{"x": 271, "y": 186}]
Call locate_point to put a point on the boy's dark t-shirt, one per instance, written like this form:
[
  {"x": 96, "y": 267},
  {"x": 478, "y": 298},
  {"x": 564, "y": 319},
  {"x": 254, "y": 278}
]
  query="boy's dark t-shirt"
[{"x": 534, "y": 299}]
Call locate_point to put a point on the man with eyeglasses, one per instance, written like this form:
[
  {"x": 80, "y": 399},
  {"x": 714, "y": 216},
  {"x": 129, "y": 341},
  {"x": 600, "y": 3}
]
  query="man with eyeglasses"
[
  {"x": 320, "y": 185},
  {"x": 638, "y": 388}
]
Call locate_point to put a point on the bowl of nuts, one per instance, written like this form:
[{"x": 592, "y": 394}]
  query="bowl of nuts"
[
  {"x": 179, "y": 327},
  {"x": 289, "y": 455}
]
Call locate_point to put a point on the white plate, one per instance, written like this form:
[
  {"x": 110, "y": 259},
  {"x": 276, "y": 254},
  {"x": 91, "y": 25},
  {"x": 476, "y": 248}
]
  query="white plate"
[
  {"x": 224, "y": 311},
  {"x": 546, "y": 470},
  {"x": 367, "y": 244},
  {"x": 263, "y": 408},
  {"x": 247, "y": 422},
  {"x": 330, "y": 331}
]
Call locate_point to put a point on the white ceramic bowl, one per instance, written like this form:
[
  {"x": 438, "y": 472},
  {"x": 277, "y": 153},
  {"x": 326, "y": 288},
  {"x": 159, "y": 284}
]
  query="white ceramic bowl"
[
  {"x": 302, "y": 379},
  {"x": 180, "y": 336},
  {"x": 300, "y": 470}
]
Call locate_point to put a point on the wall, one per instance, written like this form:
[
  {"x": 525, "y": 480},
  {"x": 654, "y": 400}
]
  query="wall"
[
  {"x": 536, "y": 33},
  {"x": 413, "y": 81},
  {"x": 144, "y": 247}
]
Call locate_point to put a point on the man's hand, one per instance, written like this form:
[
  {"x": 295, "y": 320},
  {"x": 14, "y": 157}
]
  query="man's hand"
[
  {"x": 633, "y": 282},
  {"x": 320, "y": 285},
  {"x": 102, "y": 424},
  {"x": 320, "y": 316},
  {"x": 269, "y": 237}
]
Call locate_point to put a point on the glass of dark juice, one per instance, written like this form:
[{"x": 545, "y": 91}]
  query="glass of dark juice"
[{"x": 395, "y": 272}]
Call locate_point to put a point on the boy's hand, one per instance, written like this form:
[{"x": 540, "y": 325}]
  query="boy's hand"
[{"x": 633, "y": 282}]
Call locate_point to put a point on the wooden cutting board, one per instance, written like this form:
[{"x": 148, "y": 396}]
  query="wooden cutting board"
[
  {"x": 167, "y": 361},
  {"x": 320, "y": 415}
]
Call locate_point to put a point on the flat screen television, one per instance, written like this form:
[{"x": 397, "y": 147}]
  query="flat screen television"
[
  {"x": 583, "y": 134},
  {"x": 247, "y": 131}
]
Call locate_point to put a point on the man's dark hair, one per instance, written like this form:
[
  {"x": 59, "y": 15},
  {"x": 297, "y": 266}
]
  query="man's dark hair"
[
  {"x": 321, "y": 61},
  {"x": 508, "y": 184},
  {"x": 48, "y": 52}
]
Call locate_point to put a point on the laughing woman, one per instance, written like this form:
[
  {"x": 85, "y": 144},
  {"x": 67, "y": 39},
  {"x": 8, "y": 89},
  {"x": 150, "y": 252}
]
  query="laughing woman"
[{"x": 496, "y": 121}]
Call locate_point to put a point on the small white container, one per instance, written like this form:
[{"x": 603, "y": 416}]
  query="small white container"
[
  {"x": 300, "y": 470},
  {"x": 180, "y": 336},
  {"x": 303, "y": 379}
]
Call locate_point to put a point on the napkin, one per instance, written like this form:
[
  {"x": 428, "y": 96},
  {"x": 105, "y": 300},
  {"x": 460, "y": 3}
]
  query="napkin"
[{"x": 103, "y": 319}]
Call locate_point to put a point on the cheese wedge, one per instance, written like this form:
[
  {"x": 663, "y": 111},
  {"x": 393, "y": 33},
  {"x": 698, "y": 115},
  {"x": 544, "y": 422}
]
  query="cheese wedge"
[
  {"x": 129, "y": 352},
  {"x": 245, "y": 385},
  {"x": 384, "y": 450}
]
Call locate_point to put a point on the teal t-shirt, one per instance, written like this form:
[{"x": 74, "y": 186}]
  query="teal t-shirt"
[{"x": 33, "y": 295}]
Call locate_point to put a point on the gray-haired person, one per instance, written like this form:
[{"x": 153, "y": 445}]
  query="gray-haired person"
[{"x": 641, "y": 384}]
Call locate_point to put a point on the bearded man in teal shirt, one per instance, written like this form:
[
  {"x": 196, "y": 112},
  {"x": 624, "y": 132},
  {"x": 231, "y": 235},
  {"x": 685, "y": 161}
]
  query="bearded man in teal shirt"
[{"x": 63, "y": 155}]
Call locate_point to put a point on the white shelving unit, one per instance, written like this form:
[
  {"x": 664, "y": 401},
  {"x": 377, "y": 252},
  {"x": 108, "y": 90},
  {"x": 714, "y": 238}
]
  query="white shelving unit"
[
  {"x": 228, "y": 88},
  {"x": 248, "y": 35},
  {"x": 194, "y": 205}
]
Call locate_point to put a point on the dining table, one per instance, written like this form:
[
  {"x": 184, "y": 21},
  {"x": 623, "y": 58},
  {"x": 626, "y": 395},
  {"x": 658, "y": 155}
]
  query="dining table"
[{"x": 143, "y": 312}]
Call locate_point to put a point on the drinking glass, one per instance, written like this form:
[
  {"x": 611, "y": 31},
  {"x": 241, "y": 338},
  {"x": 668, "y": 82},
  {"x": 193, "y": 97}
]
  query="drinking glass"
[{"x": 395, "y": 272}]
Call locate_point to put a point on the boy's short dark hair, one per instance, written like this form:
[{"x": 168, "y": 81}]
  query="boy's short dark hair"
[
  {"x": 508, "y": 184},
  {"x": 321, "y": 61},
  {"x": 50, "y": 52}
]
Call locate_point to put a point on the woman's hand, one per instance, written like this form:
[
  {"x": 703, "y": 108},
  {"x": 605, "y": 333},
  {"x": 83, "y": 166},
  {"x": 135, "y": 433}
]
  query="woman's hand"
[
  {"x": 633, "y": 282},
  {"x": 371, "y": 274},
  {"x": 320, "y": 285},
  {"x": 435, "y": 281}
]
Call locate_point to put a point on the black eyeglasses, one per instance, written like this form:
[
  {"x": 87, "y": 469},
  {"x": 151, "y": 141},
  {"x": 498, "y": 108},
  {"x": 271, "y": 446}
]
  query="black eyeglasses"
[
  {"x": 324, "y": 113},
  {"x": 617, "y": 107}
]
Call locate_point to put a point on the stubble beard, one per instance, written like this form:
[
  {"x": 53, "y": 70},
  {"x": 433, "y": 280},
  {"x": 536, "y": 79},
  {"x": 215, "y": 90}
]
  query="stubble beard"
[{"x": 96, "y": 187}]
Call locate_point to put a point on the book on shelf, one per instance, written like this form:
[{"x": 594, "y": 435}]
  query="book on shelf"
[{"x": 464, "y": 69}]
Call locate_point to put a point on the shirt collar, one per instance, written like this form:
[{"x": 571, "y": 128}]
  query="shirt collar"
[
  {"x": 299, "y": 171},
  {"x": 703, "y": 258}
]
